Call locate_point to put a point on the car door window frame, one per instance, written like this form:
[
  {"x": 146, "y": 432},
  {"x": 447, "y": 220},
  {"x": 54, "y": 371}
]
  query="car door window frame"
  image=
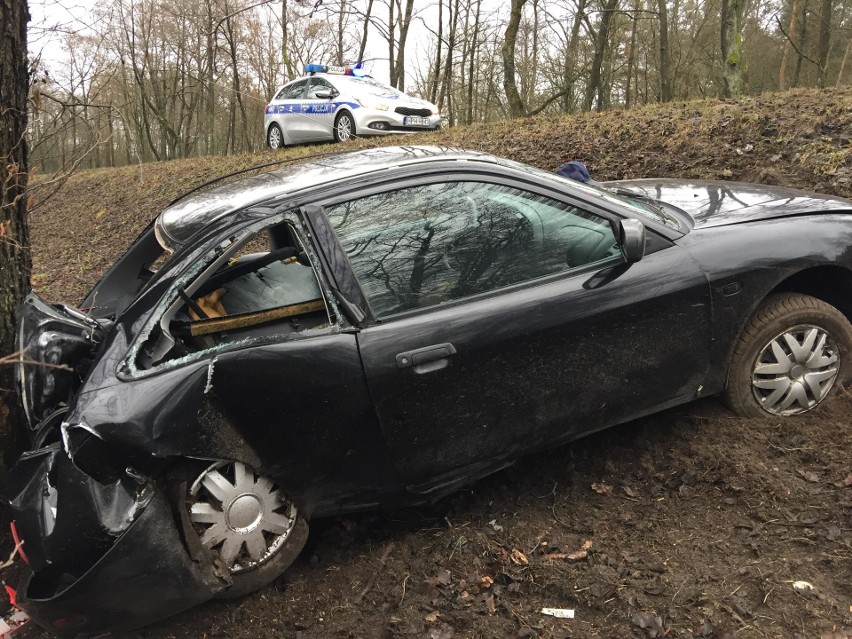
[
  {"x": 321, "y": 82},
  {"x": 197, "y": 268},
  {"x": 302, "y": 81},
  {"x": 438, "y": 176}
]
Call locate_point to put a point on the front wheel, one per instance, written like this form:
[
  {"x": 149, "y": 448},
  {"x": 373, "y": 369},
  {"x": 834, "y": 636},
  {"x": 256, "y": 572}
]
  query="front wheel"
[
  {"x": 248, "y": 523},
  {"x": 792, "y": 352},
  {"x": 344, "y": 127}
]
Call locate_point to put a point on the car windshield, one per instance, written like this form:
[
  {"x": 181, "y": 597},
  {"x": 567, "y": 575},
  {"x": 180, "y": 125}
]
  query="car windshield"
[
  {"x": 370, "y": 83},
  {"x": 646, "y": 207}
]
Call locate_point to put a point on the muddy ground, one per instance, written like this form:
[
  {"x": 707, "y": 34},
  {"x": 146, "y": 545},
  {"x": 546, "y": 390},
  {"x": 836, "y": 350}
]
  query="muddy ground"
[
  {"x": 691, "y": 523},
  {"x": 697, "y": 524}
]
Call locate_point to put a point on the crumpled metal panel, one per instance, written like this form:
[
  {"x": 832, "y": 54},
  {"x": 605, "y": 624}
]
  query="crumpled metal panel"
[
  {"x": 146, "y": 575},
  {"x": 55, "y": 343}
]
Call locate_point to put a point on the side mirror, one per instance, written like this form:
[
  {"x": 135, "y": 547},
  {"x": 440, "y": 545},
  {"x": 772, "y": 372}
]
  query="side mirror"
[
  {"x": 324, "y": 95},
  {"x": 632, "y": 239}
]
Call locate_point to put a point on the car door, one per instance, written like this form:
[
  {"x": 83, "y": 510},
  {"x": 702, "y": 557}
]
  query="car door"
[
  {"x": 318, "y": 113},
  {"x": 508, "y": 321},
  {"x": 289, "y": 109},
  {"x": 260, "y": 371}
]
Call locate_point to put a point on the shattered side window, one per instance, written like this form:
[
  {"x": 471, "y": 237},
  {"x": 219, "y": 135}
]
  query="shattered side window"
[{"x": 265, "y": 286}]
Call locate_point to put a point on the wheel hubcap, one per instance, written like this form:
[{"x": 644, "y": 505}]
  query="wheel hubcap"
[
  {"x": 796, "y": 370},
  {"x": 241, "y": 516},
  {"x": 344, "y": 128},
  {"x": 274, "y": 138}
]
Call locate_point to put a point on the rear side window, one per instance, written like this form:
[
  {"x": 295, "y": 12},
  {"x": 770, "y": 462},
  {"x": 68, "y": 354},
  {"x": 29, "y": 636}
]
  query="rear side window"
[
  {"x": 292, "y": 91},
  {"x": 432, "y": 244}
]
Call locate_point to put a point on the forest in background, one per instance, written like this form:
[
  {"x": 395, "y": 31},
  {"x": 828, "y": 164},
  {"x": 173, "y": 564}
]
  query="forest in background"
[{"x": 153, "y": 80}]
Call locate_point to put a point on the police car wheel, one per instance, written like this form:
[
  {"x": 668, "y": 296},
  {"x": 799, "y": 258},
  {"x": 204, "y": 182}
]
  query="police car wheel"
[
  {"x": 274, "y": 137},
  {"x": 344, "y": 127}
]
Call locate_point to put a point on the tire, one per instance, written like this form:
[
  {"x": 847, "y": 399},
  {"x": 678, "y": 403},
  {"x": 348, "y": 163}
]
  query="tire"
[
  {"x": 344, "y": 127},
  {"x": 249, "y": 525},
  {"x": 274, "y": 137},
  {"x": 791, "y": 354}
]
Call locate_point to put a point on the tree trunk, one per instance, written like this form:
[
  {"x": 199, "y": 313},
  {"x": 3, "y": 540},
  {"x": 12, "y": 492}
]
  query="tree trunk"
[
  {"x": 474, "y": 48},
  {"x": 14, "y": 230},
  {"x": 447, "y": 83},
  {"x": 631, "y": 54},
  {"x": 400, "y": 49},
  {"x": 510, "y": 85},
  {"x": 601, "y": 39},
  {"x": 800, "y": 36},
  {"x": 366, "y": 30},
  {"x": 665, "y": 72},
  {"x": 391, "y": 40},
  {"x": 732, "y": 47},
  {"x": 824, "y": 41},
  {"x": 436, "y": 76},
  {"x": 569, "y": 70},
  {"x": 839, "y": 82},
  {"x": 792, "y": 30}
]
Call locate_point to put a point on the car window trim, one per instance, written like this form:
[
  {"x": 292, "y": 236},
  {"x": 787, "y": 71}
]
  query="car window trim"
[
  {"x": 423, "y": 179},
  {"x": 190, "y": 271}
]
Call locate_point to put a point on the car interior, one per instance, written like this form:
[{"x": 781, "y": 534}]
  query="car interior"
[{"x": 262, "y": 285}]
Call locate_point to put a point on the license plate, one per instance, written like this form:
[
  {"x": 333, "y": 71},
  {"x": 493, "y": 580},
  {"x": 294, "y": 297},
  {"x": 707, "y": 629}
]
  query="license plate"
[{"x": 413, "y": 120}]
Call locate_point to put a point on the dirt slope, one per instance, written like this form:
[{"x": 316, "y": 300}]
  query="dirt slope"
[
  {"x": 799, "y": 139},
  {"x": 699, "y": 523}
]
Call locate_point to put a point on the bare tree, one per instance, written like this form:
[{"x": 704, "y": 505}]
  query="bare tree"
[
  {"x": 510, "y": 85},
  {"x": 731, "y": 31},
  {"x": 594, "y": 89},
  {"x": 14, "y": 230},
  {"x": 666, "y": 90},
  {"x": 824, "y": 41}
]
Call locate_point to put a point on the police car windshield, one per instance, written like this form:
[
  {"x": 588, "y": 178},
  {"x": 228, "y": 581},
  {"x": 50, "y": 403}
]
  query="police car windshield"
[{"x": 372, "y": 84}]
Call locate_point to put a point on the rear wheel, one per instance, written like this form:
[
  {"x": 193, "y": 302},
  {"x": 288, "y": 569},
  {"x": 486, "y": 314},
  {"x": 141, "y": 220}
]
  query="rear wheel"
[
  {"x": 274, "y": 137},
  {"x": 248, "y": 523},
  {"x": 792, "y": 352},
  {"x": 344, "y": 127}
]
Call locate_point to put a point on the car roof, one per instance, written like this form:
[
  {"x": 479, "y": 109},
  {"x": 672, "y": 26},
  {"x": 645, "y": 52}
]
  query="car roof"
[{"x": 178, "y": 222}]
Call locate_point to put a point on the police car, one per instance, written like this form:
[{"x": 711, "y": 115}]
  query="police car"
[{"x": 337, "y": 103}]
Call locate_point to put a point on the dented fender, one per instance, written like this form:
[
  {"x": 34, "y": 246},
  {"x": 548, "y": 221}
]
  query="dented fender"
[{"x": 103, "y": 556}]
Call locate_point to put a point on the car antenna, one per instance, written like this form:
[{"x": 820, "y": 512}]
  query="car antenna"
[{"x": 246, "y": 170}]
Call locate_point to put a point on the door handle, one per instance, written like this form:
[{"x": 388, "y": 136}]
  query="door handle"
[{"x": 427, "y": 359}]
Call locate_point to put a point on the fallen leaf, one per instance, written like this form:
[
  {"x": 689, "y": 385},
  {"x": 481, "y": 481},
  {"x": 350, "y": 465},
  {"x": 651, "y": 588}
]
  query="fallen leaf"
[
  {"x": 576, "y": 555},
  {"x": 432, "y": 617},
  {"x": 628, "y": 491},
  {"x": 651, "y": 624},
  {"x": 809, "y": 475},
  {"x": 848, "y": 481},
  {"x": 485, "y": 581},
  {"x": 602, "y": 489},
  {"x": 519, "y": 558},
  {"x": 489, "y": 603}
]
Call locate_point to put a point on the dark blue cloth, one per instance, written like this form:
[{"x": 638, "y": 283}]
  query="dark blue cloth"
[{"x": 574, "y": 170}]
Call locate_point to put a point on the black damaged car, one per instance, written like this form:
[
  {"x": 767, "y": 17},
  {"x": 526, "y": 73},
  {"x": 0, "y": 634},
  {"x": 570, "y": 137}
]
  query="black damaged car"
[{"x": 379, "y": 328}]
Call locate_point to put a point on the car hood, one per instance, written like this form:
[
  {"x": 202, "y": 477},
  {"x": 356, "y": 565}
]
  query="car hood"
[
  {"x": 719, "y": 203},
  {"x": 56, "y": 344}
]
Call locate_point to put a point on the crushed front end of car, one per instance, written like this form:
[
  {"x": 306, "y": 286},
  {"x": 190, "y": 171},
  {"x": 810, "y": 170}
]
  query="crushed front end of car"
[
  {"x": 103, "y": 557},
  {"x": 107, "y": 548}
]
